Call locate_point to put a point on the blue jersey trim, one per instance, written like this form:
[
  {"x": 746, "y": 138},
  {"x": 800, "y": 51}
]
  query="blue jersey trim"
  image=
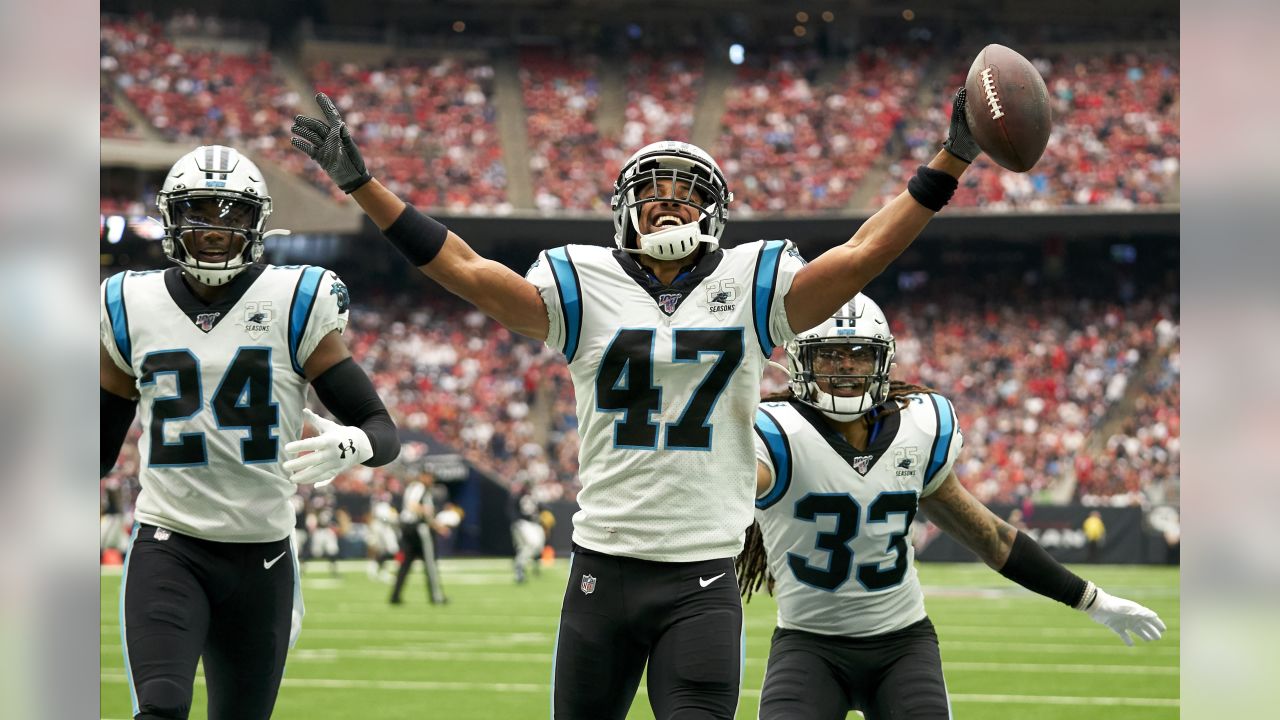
[
  {"x": 119, "y": 316},
  {"x": 566, "y": 277},
  {"x": 942, "y": 441},
  {"x": 766, "y": 280},
  {"x": 779, "y": 452},
  {"x": 304, "y": 297}
]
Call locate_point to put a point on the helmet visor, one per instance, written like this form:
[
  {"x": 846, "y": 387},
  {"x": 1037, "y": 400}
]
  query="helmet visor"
[
  {"x": 691, "y": 188},
  {"x": 215, "y": 229},
  {"x": 844, "y": 366}
]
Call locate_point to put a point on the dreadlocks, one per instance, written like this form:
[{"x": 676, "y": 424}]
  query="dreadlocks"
[{"x": 752, "y": 564}]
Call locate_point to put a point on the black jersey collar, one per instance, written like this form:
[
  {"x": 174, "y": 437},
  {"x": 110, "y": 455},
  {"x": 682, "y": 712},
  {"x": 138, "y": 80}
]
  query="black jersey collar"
[
  {"x": 670, "y": 297},
  {"x": 884, "y": 430},
  {"x": 206, "y": 315}
]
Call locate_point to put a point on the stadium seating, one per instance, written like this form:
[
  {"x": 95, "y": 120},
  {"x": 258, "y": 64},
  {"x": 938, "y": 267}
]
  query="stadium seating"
[
  {"x": 566, "y": 152},
  {"x": 1032, "y": 382},
  {"x": 799, "y": 133},
  {"x": 426, "y": 128},
  {"x": 790, "y": 143},
  {"x": 1114, "y": 143}
]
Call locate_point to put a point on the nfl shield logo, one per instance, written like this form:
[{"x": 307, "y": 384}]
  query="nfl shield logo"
[
  {"x": 588, "y": 584},
  {"x": 862, "y": 464},
  {"x": 668, "y": 302}
]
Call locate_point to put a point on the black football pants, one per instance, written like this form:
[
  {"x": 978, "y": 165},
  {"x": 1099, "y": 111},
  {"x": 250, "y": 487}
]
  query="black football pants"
[
  {"x": 683, "y": 619},
  {"x": 894, "y": 676},
  {"x": 184, "y": 599}
]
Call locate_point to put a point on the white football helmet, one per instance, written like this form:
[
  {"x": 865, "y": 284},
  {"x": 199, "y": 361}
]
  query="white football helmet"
[
  {"x": 677, "y": 162},
  {"x": 857, "y": 333},
  {"x": 240, "y": 207}
]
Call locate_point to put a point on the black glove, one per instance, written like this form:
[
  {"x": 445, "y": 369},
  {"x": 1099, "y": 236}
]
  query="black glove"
[
  {"x": 960, "y": 141},
  {"x": 329, "y": 143}
]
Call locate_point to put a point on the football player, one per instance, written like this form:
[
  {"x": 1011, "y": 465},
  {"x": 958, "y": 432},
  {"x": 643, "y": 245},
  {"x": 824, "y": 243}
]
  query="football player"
[
  {"x": 666, "y": 335},
  {"x": 420, "y": 528},
  {"x": 218, "y": 353},
  {"x": 843, "y": 464},
  {"x": 527, "y": 534}
]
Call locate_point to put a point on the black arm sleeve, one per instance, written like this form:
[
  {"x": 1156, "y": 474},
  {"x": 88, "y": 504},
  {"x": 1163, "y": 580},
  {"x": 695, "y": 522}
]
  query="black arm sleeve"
[
  {"x": 117, "y": 415},
  {"x": 349, "y": 395},
  {"x": 1033, "y": 568}
]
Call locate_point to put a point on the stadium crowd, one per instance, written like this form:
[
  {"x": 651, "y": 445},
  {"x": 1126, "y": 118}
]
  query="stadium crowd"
[
  {"x": 1114, "y": 142},
  {"x": 799, "y": 132},
  {"x": 796, "y": 137},
  {"x": 561, "y": 95},
  {"x": 426, "y": 127}
]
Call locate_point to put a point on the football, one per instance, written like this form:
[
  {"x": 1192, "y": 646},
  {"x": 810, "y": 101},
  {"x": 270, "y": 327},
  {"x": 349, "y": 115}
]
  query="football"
[{"x": 1007, "y": 107}]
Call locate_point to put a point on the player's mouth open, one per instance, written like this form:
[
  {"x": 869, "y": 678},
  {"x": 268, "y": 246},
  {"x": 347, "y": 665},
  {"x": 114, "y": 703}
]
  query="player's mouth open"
[
  {"x": 212, "y": 255},
  {"x": 662, "y": 221}
]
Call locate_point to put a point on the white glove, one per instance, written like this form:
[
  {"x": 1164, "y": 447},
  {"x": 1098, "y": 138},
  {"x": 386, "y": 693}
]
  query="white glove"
[
  {"x": 1124, "y": 617},
  {"x": 335, "y": 449}
]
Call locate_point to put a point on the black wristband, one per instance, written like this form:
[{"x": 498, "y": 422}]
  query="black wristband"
[
  {"x": 932, "y": 188},
  {"x": 416, "y": 236},
  {"x": 116, "y": 415},
  {"x": 1033, "y": 568},
  {"x": 349, "y": 394}
]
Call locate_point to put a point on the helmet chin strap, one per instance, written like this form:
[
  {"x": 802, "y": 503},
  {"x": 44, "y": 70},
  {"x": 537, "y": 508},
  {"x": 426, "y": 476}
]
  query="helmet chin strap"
[
  {"x": 673, "y": 243},
  {"x": 826, "y": 404}
]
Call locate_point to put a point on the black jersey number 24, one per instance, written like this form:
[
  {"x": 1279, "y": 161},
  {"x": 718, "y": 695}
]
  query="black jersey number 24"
[
  {"x": 625, "y": 384},
  {"x": 241, "y": 402}
]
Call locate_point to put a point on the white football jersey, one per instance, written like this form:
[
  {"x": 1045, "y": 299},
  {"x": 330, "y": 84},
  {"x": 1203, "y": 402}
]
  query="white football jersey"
[
  {"x": 837, "y": 519},
  {"x": 667, "y": 380},
  {"x": 222, "y": 391}
]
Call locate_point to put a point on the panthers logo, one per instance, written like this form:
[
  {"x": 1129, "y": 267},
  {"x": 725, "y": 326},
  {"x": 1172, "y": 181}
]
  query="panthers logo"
[{"x": 344, "y": 298}]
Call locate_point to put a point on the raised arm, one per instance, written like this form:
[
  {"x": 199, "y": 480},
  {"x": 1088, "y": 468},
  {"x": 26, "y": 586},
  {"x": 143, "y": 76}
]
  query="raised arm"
[
  {"x": 1019, "y": 558},
  {"x": 837, "y": 275},
  {"x": 440, "y": 254}
]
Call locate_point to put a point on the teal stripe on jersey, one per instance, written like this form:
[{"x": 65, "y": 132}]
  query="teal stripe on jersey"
[
  {"x": 779, "y": 452},
  {"x": 570, "y": 298},
  {"x": 942, "y": 442},
  {"x": 304, "y": 297},
  {"x": 766, "y": 280},
  {"x": 119, "y": 317}
]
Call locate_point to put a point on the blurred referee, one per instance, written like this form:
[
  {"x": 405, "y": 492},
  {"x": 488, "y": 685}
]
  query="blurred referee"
[{"x": 418, "y": 530}]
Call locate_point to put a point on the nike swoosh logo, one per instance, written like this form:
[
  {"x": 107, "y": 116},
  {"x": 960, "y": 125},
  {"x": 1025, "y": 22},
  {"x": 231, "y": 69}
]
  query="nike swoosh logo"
[
  {"x": 266, "y": 564},
  {"x": 707, "y": 581}
]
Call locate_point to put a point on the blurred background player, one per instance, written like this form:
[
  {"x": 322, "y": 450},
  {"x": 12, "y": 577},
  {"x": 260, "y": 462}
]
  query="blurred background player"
[
  {"x": 419, "y": 528},
  {"x": 112, "y": 540},
  {"x": 1095, "y": 534},
  {"x": 527, "y": 534},
  {"x": 382, "y": 532},
  {"x": 666, "y": 335},
  {"x": 217, "y": 353},
  {"x": 322, "y": 530},
  {"x": 845, "y": 459}
]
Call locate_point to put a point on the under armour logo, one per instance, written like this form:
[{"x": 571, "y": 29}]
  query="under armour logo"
[{"x": 344, "y": 449}]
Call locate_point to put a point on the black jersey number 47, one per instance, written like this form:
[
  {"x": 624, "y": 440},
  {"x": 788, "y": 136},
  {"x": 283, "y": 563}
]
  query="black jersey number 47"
[{"x": 625, "y": 384}]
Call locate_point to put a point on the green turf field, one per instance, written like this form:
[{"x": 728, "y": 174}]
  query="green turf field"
[{"x": 1007, "y": 653}]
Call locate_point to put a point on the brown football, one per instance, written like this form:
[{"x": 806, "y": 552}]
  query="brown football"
[{"x": 1007, "y": 107}]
